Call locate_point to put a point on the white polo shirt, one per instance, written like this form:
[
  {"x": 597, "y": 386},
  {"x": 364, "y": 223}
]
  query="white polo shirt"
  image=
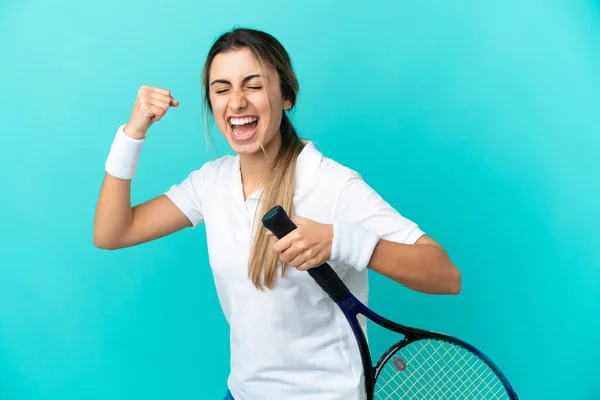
[{"x": 290, "y": 342}]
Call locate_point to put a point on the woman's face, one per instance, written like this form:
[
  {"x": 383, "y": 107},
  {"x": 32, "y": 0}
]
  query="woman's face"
[{"x": 238, "y": 95}]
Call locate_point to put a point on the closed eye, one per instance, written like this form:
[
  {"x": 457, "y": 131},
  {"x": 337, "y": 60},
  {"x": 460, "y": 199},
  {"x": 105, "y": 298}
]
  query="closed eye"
[{"x": 255, "y": 87}]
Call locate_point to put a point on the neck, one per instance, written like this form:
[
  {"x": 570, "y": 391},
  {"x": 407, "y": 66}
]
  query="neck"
[{"x": 254, "y": 168}]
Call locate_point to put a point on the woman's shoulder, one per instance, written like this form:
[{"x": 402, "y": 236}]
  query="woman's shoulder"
[
  {"x": 335, "y": 170},
  {"x": 220, "y": 165},
  {"x": 218, "y": 170},
  {"x": 324, "y": 166}
]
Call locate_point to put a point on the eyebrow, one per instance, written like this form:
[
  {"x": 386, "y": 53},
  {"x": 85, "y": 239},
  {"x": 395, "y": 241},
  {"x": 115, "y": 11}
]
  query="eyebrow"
[{"x": 246, "y": 79}]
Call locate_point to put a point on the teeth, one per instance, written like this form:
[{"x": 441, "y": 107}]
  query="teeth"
[{"x": 242, "y": 121}]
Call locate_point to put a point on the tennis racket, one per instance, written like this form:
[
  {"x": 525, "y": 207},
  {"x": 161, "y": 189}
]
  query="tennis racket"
[{"x": 423, "y": 364}]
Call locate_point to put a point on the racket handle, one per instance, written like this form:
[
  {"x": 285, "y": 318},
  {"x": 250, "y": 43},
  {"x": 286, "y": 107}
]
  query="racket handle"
[
  {"x": 330, "y": 282},
  {"x": 277, "y": 221}
]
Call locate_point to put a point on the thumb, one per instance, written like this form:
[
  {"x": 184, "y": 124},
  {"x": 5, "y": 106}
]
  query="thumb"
[{"x": 174, "y": 103}]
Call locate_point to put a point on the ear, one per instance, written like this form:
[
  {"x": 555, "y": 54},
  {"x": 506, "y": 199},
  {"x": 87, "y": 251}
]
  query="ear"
[{"x": 287, "y": 105}]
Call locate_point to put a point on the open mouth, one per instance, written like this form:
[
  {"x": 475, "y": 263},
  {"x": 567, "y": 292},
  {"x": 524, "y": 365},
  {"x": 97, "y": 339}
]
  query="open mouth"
[{"x": 243, "y": 128}]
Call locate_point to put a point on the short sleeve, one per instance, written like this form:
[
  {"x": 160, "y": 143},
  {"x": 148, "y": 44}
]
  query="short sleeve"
[
  {"x": 187, "y": 197},
  {"x": 360, "y": 204}
]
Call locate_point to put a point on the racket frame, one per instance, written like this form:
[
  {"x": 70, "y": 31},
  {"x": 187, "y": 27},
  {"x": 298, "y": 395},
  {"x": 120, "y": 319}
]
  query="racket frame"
[
  {"x": 278, "y": 222},
  {"x": 351, "y": 307}
]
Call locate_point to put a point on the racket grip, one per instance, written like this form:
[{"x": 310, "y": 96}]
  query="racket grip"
[
  {"x": 329, "y": 281},
  {"x": 277, "y": 221}
]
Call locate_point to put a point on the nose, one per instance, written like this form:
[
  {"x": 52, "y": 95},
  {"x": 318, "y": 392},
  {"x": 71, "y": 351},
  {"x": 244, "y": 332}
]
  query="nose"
[{"x": 237, "y": 101}]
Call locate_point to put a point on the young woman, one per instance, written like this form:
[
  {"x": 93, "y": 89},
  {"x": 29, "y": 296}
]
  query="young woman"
[{"x": 288, "y": 339}]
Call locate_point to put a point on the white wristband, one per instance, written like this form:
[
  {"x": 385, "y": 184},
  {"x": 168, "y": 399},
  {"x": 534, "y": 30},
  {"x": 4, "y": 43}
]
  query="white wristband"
[
  {"x": 124, "y": 155},
  {"x": 353, "y": 245}
]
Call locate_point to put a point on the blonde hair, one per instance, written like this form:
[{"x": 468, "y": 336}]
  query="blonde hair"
[{"x": 278, "y": 185}]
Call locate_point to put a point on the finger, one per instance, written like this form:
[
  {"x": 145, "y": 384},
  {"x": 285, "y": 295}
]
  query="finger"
[
  {"x": 158, "y": 110},
  {"x": 157, "y": 113},
  {"x": 306, "y": 265},
  {"x": 284, "y": 243},
  {"x": 160, "y": 103},
  {"x": 174, "y": 103},
  {"x": 158, "y": 90},
  {"x": 289, "y": 254},
  {"x": 163, "y": 98},
  {"x": 146, "y": 107},
  {"x": 298, "y": 260},
  {"x": 269, "y": 233},
  {"x": 145, "y": 91}
]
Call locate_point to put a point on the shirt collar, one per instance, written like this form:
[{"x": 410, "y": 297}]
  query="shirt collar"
[{"x": 307, "y": 164}]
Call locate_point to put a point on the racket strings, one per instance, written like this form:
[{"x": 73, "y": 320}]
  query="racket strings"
[{"x": 435, "y": 369}]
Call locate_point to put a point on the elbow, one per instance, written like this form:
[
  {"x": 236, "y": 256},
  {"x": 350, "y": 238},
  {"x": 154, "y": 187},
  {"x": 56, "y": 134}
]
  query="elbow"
[
  {"x": 455, "y": 281},
  {"x": 105, "y": 245},
  {"x": 103, "y": 242}
]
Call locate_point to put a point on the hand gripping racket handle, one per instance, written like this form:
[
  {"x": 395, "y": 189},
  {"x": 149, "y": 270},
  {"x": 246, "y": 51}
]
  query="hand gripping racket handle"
[{"x": 278, "y": 222}]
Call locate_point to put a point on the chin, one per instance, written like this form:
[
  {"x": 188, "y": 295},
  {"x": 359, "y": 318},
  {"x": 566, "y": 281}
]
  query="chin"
[{"x": 247, "y": 148}]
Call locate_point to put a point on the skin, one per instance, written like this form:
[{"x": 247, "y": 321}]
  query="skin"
[{"x": 238, "y": 88}]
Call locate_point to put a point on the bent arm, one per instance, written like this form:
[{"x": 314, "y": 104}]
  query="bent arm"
[
  {"x": 117, "y": 224},
  {"x": 424, "y": 266},
  {"x": 403, "y": 252}
]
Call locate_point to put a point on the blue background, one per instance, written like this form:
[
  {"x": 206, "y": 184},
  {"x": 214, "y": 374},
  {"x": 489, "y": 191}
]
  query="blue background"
[{"x": 478, "y": 120}]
